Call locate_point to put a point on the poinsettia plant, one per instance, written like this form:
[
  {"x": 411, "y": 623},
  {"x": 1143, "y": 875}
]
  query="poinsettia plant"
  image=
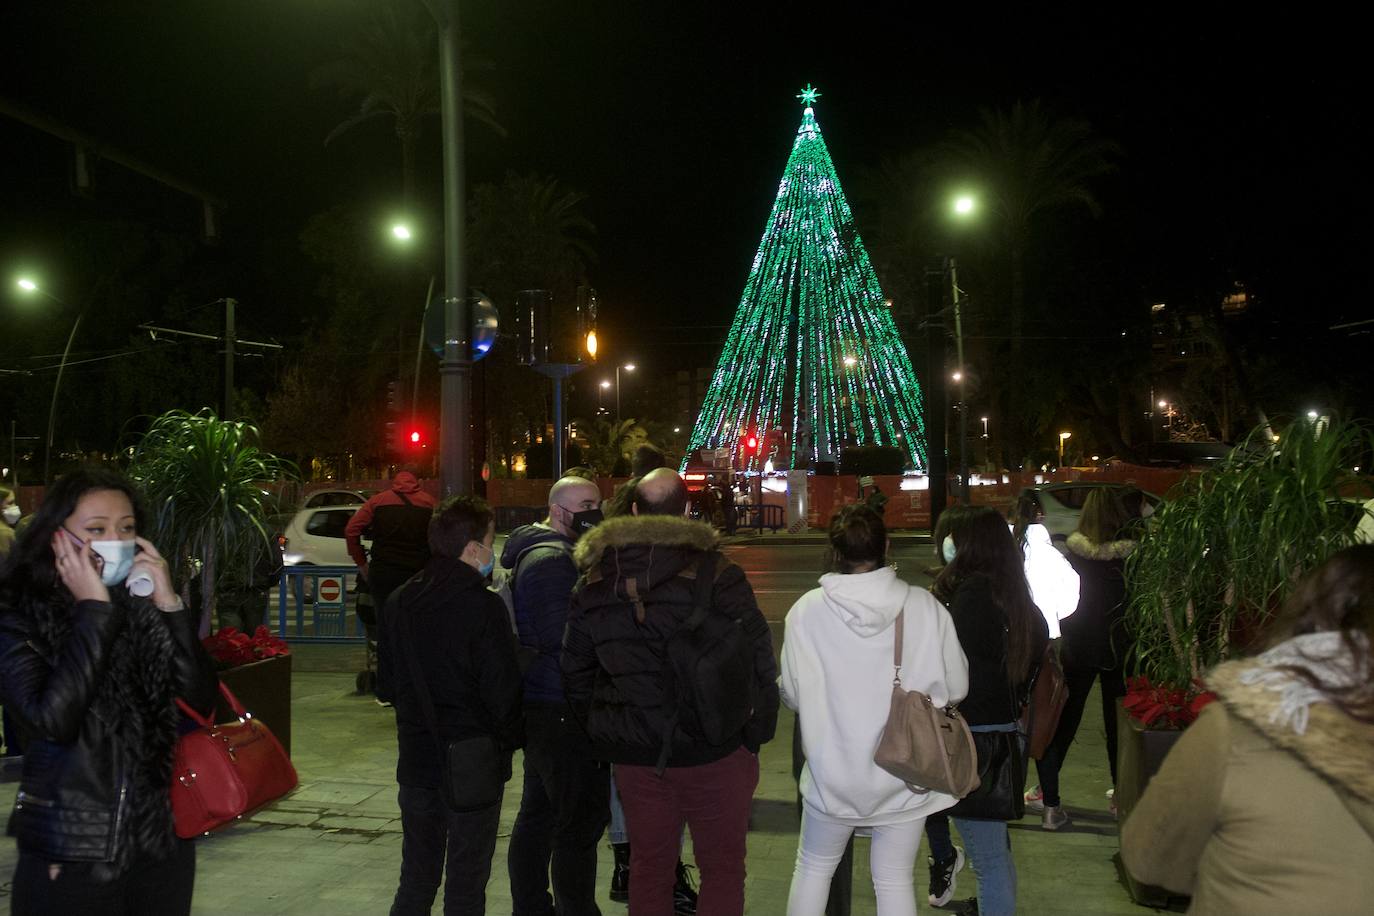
[
  {"x": 231, "y": 648},
  {"x": 1162, "y": 706}
]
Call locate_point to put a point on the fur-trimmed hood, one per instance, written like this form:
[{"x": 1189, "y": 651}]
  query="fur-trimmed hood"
[
  {"x": 1093, "y": 550},
  {"x": 643, "y": 531},
  {"x": 1334, "y": 746}
]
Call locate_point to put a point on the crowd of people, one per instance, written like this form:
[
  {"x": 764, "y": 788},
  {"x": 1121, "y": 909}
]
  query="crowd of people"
[{"x": 620, "y": 649}]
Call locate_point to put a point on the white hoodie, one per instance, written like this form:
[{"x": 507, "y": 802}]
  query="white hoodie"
[
  {"x": 837, "y": 675},
  {"x": 1053, "y": 582}
]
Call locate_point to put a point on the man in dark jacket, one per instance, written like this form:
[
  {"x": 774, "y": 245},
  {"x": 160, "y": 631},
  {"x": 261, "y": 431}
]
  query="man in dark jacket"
[
  {"x": 565, "y": 804},
  {"x": 397, "y": 520},
  {"x": 638, "y": 589},
  {"x": 444, "y": 624}
]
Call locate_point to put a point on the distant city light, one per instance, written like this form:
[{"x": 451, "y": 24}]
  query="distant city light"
[{"x": 606, "y": 383}]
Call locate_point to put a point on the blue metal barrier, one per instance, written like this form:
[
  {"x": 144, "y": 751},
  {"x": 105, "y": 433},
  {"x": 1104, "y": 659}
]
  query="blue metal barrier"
[{"x": 305, "y": 613}]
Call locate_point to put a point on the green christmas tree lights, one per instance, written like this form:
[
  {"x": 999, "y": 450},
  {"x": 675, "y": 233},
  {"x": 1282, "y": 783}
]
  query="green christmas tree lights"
[{"x": 813, "y": 362}]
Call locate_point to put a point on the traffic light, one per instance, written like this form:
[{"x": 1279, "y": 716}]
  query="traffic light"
[{"x": 415, "y": 440}]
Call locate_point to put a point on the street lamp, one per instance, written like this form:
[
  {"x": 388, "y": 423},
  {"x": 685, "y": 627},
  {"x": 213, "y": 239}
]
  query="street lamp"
[
  {"x": 1062, "y": 438},
  {"x": 628, "y": 367},
  {"x": 29, "y": 286},
  {"x": 600, "y": 394},
  {"x": 963, "y": 207},
  {"x": 401, "y": 232}
]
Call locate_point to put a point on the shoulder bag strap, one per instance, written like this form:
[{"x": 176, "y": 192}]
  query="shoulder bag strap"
[
  {"x": 404, "y": 500},
  {"x": 897, "y": 630},
  {"x": 706, "y": 577}
]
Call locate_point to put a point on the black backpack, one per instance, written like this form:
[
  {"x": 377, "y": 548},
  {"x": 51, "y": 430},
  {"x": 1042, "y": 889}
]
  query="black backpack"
[{"x": 709, "y": 672}]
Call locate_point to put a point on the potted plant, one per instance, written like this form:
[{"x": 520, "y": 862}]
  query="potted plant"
[
  {"x": 257, "y": 669},
  {"x": 203, "y": 480},
  {"x": 1214, "y": 564}
]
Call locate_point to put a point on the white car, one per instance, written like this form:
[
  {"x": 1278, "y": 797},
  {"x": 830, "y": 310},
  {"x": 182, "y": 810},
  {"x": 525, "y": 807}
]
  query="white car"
[
  {"x": 322, "y": 498},
  {"x": 1062, "y": 503},
  {"x": 315, "y": 536}
]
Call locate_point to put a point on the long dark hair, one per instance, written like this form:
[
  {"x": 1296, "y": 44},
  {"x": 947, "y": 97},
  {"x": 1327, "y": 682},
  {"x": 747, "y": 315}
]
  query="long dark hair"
[
  {"x": 1025, "y": 512},
  {"x": 31, "y": 564},
  {"x": 985, "y": 547},
  {"x": 1337, "y": 596}
]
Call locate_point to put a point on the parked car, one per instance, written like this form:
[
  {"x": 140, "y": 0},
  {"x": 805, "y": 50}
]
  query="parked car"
[
  {"x": 1061, "y": 504},
  {"x": 315, "y": 536},
  {"x": 322, "y": 498}
]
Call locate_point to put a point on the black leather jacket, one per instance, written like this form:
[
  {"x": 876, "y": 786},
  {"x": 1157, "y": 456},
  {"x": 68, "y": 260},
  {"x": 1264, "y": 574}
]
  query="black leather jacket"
[{"x": 74, "y": 796}]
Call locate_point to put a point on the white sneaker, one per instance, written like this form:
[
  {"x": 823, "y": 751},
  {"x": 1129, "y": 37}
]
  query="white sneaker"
[{"x": 1035, "y": 800}]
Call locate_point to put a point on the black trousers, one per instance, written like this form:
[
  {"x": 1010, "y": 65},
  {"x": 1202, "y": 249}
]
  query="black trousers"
[
  {"x": 150, "y": 888},
  {"x": 1080, "y": 684},
  {"x": 563, "y": 812},
  {"x": 439, "y": 844}
]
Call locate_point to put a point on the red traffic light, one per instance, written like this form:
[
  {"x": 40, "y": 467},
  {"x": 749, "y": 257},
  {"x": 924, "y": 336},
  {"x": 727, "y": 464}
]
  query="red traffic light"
[
  {"x": 751, "y": 443},
  {"x": 414, "y": 437}
]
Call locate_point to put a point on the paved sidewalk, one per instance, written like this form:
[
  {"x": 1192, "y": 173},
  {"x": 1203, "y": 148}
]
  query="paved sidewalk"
[{"x": 333, "y": 846}]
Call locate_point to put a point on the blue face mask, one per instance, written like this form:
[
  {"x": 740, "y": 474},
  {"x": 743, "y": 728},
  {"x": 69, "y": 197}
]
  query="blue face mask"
[
  {"x": 485, "y": 569},
  {"x": 947, "y": 549},
  {"x": 117, "y": 558}
]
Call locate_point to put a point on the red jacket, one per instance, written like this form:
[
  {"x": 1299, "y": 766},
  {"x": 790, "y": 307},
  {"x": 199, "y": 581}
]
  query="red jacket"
[{"x": 397, "y": 521}]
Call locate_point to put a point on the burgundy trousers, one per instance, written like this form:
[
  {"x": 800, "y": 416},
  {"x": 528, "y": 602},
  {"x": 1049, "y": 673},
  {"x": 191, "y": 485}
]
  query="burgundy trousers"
[{"x": 713, "y": 800}]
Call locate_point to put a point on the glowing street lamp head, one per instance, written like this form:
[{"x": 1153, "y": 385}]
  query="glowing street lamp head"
[
  {"x": 401, "y": 232},
  {"x": 964, "y": 204},
  {"x": 1311, "y": 415},
  {"x": 628, "y": 367},
  {"x": 606, "y": 383},
  {"x": 27, "y": 285},
  {"x": 1065, "y": 435},
  {"x": 958, "y": 376},
  {"x": 1163, "y": 404},
  {"x": 591, "y": 344}
]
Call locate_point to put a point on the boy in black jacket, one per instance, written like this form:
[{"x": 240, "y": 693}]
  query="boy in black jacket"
[{"x": 458, "y": 632}]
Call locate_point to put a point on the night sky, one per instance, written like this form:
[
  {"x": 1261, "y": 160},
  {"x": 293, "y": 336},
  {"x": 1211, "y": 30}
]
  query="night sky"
[{"x": 1243, "y": 154}]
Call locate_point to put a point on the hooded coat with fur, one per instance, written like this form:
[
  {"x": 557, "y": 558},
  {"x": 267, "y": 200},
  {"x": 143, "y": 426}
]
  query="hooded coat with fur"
[
  {"x": 1248, "y": 816},
  {"x": 637, "y": 588},
  {"x": 1095, "y": 635}
]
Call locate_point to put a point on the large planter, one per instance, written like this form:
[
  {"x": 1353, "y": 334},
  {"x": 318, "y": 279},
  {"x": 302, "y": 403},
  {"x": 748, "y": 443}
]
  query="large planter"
[
  {"x": 264, "y": 689},
  {"x": 1140, "y": 752}
]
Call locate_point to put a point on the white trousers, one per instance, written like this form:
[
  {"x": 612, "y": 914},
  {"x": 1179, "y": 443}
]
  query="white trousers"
[{"x": 892, "y": 858}]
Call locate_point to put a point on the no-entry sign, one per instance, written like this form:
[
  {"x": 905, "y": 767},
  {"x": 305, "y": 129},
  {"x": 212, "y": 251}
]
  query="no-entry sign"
[{"x": 330, "y": 590}]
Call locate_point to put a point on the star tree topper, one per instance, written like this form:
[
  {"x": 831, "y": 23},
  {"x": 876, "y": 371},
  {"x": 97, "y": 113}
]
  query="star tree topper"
[{"x": 809, "y": 95}]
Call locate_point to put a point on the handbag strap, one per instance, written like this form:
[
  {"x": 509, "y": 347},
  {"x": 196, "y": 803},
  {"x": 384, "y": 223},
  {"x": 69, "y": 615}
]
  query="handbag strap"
[
  {"x": 897, "y": 631},
  {"x": 209, "y": 721}
]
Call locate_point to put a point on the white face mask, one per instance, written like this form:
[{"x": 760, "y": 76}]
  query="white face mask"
[{"x": 11, "y": 515}]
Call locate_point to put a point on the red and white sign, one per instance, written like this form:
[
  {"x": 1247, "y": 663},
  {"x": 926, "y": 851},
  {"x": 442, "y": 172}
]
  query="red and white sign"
[{"x": 330, "y": 590}]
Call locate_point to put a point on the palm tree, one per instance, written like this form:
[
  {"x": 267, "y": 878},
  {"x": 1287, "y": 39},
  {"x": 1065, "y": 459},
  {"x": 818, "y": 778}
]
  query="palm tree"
[
  {"x": 1028, "y": 162},
  {"x": 392, "y": 63}
]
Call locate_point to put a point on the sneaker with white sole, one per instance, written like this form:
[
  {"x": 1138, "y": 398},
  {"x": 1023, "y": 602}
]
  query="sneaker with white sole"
[
  {"x": 943, "y": 877},
  {"x": 1055, "y": 817},
  {"x": 1035, "y": 800}
]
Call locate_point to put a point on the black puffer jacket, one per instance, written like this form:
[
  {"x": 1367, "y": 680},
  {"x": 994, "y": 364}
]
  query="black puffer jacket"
[
  {"x": 613, "y": 662},
  {"x": 93, "y": 686},
  {"x": 1095, "y": 634}
]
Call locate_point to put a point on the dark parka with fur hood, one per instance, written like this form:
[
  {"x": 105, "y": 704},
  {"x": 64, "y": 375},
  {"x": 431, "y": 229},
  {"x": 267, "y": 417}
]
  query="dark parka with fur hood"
[{"x": 637, "y": 588}]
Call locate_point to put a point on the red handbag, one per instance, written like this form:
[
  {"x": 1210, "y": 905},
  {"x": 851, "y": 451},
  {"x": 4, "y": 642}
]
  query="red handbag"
[{"x": 222, "y": 772}]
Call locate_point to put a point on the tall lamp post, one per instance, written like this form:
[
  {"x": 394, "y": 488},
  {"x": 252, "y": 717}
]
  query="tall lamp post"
[
  {"x": 1063, "y": 437},
  {"x": 628, "y": 367},
  {"x": 29, "y": 286},
  {"x": 600, "y": 393},
  {"x": 963, "y": 208}
]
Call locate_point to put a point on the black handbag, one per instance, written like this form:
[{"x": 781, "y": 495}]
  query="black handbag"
[
  {"x": 1002, "y": 780},
  {"x": 1000, "y": 795},
  {"x": 475, "y": 770}
]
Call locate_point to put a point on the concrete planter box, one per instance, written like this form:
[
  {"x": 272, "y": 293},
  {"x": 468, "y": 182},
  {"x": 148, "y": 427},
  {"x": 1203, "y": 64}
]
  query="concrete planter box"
[
  {"x": 264, "y": 689},
  {"x": 1140, "y": 752}
]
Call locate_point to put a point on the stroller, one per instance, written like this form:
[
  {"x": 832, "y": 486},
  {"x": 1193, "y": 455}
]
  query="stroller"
[{"x": 366, "y": 682}]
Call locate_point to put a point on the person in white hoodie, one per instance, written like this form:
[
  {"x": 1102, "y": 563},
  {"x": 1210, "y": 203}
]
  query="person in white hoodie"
[{"x": 836, "y": 655}]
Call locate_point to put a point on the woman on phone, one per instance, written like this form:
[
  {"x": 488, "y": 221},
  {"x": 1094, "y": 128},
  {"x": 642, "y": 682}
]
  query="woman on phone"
[{"x": 92, "y": 671}]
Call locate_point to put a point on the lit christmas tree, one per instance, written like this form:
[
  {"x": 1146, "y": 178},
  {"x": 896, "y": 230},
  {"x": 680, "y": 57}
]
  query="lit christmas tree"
[{"x": 813, "y": 362}]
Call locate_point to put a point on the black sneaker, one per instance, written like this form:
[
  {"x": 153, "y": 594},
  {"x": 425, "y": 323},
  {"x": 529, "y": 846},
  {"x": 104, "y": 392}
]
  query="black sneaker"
[
  {"x": 684, "y": 895},
  {"x": 620, "y": 873},
  {"x": 943, "y": 877}
]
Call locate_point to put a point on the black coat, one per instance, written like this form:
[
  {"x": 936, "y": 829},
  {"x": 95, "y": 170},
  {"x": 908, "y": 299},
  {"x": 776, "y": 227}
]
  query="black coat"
[
  {"x": 1095, "y": 634},
  {"x": 981, "y": 625},
  {"x": 448, "y": 621},
  {"x": 613, "y": 662},
  {"x": 85, "y": 794}
]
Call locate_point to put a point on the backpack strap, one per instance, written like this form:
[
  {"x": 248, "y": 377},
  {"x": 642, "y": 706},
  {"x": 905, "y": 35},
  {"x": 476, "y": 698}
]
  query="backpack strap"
[{"x": 706, "y": 577}]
